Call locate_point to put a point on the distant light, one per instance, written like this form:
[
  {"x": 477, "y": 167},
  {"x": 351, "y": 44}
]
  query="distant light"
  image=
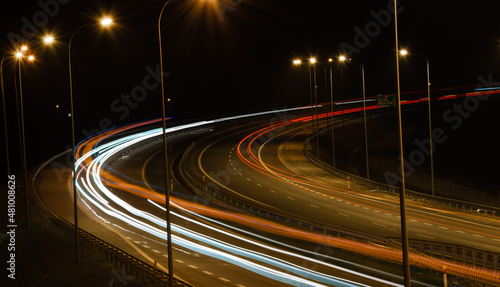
[
  {"x": 19, "y": 55},
  {"x": 342, "y": 58},
  {"x": 69, "y": 115},
  {"x": 24, "y": 48},
  {"x": 404, "y": 52},
  {"x": 48, "y": 39},
  {"x": 312, "y": 60},
  {"x": 106, "y": 21},
  {"x": 57, "y": 106},
  {"x": 297, "y": 62},
  {"x": 31, "y": 58},
  {"x": 330, "y": 60}
]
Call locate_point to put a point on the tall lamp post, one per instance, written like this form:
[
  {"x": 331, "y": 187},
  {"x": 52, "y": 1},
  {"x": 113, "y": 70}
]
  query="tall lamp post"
[
  {"x": 402, "y": 192},
  {"x": 105, "y": 22},
  {"x": 405, "y": 53},
  {"x": 364, "y": 113},
  {"x": 20, "y": 56},
  {"x": 165, "y": 158},
  {"x": 330, "y": 61}
]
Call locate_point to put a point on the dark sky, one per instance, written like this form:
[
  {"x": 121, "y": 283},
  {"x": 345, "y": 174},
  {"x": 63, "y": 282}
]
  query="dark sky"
[{"x": 229, "y": 57}]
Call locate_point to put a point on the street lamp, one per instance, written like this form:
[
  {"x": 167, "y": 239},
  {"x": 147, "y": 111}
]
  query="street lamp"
[
  {"x": 330, "y": 61},
  {"x": 364, "y": 111},
  {"x": 165, "y": 158},
  {"x": 105, "y": 22},
  {"x": 404, "y": 53},
  {"x": 19, "y": 57},
  {"x": 402, "y": 191}
]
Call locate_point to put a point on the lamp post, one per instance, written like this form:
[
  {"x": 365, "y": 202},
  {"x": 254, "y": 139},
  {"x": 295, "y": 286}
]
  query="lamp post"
[
  {"x": 104, "y": 22},
  {"x": 20, "y": 55},
  {"x": 364, "y": 113},
  {"x": 402, "y": 193},
  {"x": 405, "y": 53},
  {"x": 330, "y": 61},
  {"x": 313, "y": 62},
  {"x": 165, "y": 158}
]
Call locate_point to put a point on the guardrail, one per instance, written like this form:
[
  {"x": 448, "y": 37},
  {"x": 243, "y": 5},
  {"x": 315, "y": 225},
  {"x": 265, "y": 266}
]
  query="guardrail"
[
  {"x": 429, "y": 200},
  {"x": 133, "y": 266}
]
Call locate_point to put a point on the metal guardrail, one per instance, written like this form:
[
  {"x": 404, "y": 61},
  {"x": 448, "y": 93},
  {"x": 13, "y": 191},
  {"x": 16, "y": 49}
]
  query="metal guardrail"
[
  {"x": 132, "y": 265},
  {"x": 430, "y": 200}
]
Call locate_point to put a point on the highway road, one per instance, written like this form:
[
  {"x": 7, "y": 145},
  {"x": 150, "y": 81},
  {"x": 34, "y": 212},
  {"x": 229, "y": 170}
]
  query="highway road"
[{"x": 121, "y": 201}]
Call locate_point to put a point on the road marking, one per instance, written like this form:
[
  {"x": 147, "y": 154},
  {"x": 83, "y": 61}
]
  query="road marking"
[
  {"x": 179, "y": 261},
  {"x": 291, "y": 198},
  {"x": 166, "y": 256},
  {"x": 249, "y": 179},
  {"x": 224, "y": 279},
  {"x": 413, "y": 220},
  {"x": 192, "y": 266},
  {"x": 459, "y": 231},
  {"x": 208, "y": 273},
  {"x": 477, "y": 235},
  {"x": 376, "y": 210},
  {"x": 240, "y": 285},
  {"x": 379, "y": 224},
  {"x": 273, "y": 191},
  {"x": 442, "y": 227},
  {"x": 156, "y": 251},
  {"x": 145, "y": 246},
  {"x": 342, "y": 214},
  {"x": 258, "y": 184},
  {"x": 356, "y": 205},
  {"x": 429, "y": 224},
  {"x": 312, "y": 205},
  {"x": 430, "y": 237},
  {"x": 388, "y": 214},
  {"x": 347, "y": 202},
  {"x": 498, "y": 240}
]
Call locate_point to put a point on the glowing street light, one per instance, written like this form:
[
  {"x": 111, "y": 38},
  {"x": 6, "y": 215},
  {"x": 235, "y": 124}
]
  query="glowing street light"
[
  {"x": 48, "y": 39},
  {"x": 342, "y": 58},
  {"x": 297, "y": 62},
  {"x": 405, "y": 53},
  {"x": 105, "y": 22},
  {"x": 312, "y": 61}
]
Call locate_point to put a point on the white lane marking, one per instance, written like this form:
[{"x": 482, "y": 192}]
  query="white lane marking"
[
  {"x": 249, "y": 179},
  {"x": 273, "y": 191},
  {"x": 291, "y": 198},
  {"x": 477, "y": 235},
  {"x": 388, "y": 214},
  {"x": 413, "y": 220},
  {"x": 193, "y": 267},
  {"x": 347, "y": 202},
  {"x": 259, "y": 185},
  {"x": 442, "y": 227},
  {"x": 378, "y": 211},
  {"x": 224, "y": 279},
  {"x": 379, "y": 224},
  {"x": 208, "y": 273},
  {"x": 145, "y": 246},
  {"x": 156, "y": 251},
  {"x": 498, "y": 240},
  {"x": 312, "y": 205},
  {"x": 430, "y": 237},
  {"x": 426, "y": 223},
  {"x": 342, "y": 214},
  {"x": 459, "y": 231},
  {"x": 179, "y": 261}
]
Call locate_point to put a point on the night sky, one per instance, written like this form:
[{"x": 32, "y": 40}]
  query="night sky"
[{"x": 226, "y": 57}]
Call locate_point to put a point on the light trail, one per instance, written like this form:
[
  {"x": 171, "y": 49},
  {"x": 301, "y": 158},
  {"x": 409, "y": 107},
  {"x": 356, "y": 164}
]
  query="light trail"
[{"x": 93, "y": 189}]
